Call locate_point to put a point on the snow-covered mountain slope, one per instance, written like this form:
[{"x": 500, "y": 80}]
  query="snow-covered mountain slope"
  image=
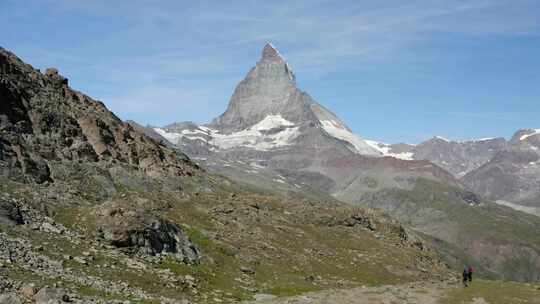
[
  {"x": 268, "y": 112},
  {"x": 272, "y": 132}
]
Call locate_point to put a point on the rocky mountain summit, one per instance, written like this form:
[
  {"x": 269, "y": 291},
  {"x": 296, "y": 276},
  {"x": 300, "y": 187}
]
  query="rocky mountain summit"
[{"x": 268, "y": 112}]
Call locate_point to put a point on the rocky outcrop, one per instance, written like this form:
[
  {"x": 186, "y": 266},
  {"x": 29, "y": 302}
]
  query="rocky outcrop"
[
  {"x": 10, "y": 214},
  {"x": 126, "y": 226},
  {"x": 42, "y": 121}
]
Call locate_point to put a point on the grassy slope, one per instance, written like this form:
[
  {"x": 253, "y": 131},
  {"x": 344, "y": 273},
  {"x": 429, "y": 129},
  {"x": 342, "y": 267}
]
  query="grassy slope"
[
  {"x": 434, "y": 209},
  {"x": 290, "y": 244}
]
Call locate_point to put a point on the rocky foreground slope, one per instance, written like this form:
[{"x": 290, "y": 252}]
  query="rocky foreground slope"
[{"x": 92, "y": 210}]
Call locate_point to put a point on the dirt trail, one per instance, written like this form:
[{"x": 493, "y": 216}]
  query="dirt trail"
[{"x": 416, "y": 293}]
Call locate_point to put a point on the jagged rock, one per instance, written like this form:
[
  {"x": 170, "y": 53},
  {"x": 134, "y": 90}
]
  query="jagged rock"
[
  {"x": 247, "y": 270},
  {"x": 55, "y": 76},
  {"x": 126, "y": 226},
  {"x": 10, "y": 213},
  {"x": 360, "y": 220}
]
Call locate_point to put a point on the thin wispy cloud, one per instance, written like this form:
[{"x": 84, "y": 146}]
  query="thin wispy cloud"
[{"x": 124, "y": 51}]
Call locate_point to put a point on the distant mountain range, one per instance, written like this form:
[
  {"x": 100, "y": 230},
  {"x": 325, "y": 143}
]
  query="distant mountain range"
[{"x": 275, "y": 136}]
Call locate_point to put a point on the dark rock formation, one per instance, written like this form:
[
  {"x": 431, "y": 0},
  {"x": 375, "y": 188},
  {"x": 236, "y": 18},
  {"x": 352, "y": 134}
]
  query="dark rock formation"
[
  {"x": 125, "y": 226},
  {"x": 10, "y": 213}
]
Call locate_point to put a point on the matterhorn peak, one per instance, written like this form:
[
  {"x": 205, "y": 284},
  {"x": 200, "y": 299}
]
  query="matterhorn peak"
[{"x": 271, "y": 54}]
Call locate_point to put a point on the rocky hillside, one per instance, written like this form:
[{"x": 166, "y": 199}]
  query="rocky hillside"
[
  {"x": 92, "y": 210},
  {"x": 43, "y": 122}
]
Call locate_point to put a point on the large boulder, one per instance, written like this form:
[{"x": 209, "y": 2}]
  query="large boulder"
[
  {"x": 125, "y": 225},
  {"x": 10, "y": 213}
]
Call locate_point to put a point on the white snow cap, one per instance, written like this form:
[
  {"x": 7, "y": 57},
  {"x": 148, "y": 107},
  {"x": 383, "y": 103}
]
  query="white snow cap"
[{"x": 442, "y": 138}]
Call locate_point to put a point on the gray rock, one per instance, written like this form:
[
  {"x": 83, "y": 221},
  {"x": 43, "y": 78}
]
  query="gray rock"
[
  {"x": 247, "y": 270},
  {"x": 125, "y": 226},
  {"x": 49, "y": 295},
  {"x": 10, "y": 298},
  {"x": 263, "y": 297}
]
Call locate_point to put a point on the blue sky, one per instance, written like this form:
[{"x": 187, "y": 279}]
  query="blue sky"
[{"x": 395, "y": 71}]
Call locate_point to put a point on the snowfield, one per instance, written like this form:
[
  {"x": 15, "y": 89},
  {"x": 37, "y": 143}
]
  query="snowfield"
[
  {"x": 337, "y": 130},
  {"x": 385, "y": 150},
  {"x": 256, "y": 137}
]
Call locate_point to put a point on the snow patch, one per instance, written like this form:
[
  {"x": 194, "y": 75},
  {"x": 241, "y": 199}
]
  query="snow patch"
[
  {"x": 255, "y": 137},
  {"x": 337, "y": 130},
  {"x": 279, "y": 180},
  {"x": 385, "y": 150},
  {"x": 484, "y": 139},
  {"x": 442, "y": 138},
  {"x": 172, "y": 137},
  {"x": 536, "y": 131}
]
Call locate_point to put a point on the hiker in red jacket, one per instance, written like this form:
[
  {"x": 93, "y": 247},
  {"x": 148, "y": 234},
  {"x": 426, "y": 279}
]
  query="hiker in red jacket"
[{"x": 470, "y": 272}]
